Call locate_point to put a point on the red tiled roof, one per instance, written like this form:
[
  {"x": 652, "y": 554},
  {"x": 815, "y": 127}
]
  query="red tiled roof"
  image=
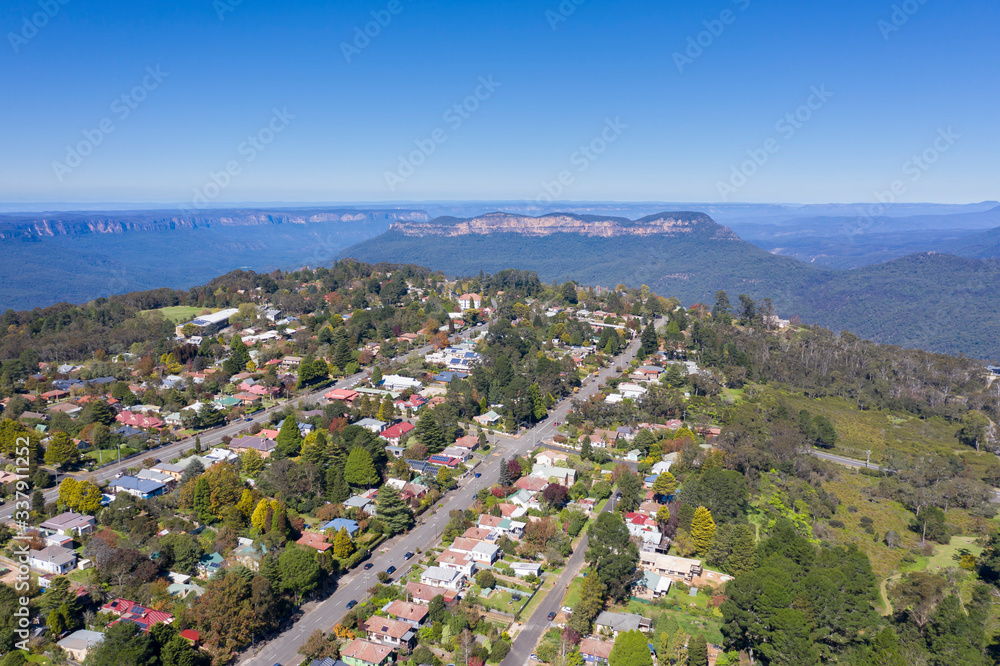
[
  {"x": 396, "y": 431},
  {"x": 407, "y": 611},
  {"x": 372, "y": 653},
  {"x": 313, "y": 540}
]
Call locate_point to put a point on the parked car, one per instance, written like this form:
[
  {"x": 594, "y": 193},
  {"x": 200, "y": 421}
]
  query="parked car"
[
  {"x": 352, "y": 603},
  {"x": 408, "y": 555},
  {"x": 391, "y": 570},
  {"x": 368, "y": 565},
  {"x": 567, "y": 610}
]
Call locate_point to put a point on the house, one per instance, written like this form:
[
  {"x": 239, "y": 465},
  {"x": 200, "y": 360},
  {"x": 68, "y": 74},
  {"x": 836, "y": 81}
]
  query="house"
[
  {"x": 456, "y": 561},
  {"x": 10, "y": 477},
  {"x": 141, "y": 488},
  {"x": 532, "y": 484},
  {"x": 129, "y": 611},
  {"x": 441, "y": 577},
  {"x": 404, "y": 611},
  {"x": 249, "y": 554},
  {"x": 313, "y": 540},
  {"x": 616, "y": 623},
  {"x": 78, "y": 644},
  {"x": 154, "y": 475},
  {"x": 423, "y": 593},
  {"x": 394, "y": 451},
  {"x": 479, "y": 551},
  {"x": 676, "y": 568},
  {"x": 394, "y": 434},
  {"x": 400, "y": 383},
  {"x": 390, "y": 632},
  {"x": 595, "y": 652},
  {"x": 444, "y": 461},
  {"x": 366, "y": 504},
  {"x": 462, "y": 455},
  {"x": 470, "y": 301},
  {"x": 374, "y": 425},
  {"x": 661, "y": 467},
  {"x": 643, "y": 527},
  {"x": 550, "y": 458},
  {"x": 67, "y": 408},
  {"x": 52, "y": 559},
  {"x": 351, "y": 526},
  {"x": 525, "y": 499},
  {"x": 183, "y": 590},
  {"x": 632, "y": 391},
  {"x": 262, "y": 446},
  {"x": 413, "y": 403},
  {"x": 365, "y": 653},
  {"x": 469, "y": 443},
  {"x": 561, "y": 475},
  {"x": 489, "y": 418},
  {"x": 342, "y": 395},
  {"x": 653, "y": 585},
  {"x": 136, "y": 420},
  {"x": 70, "y": 523},
  {"x": 505, "y": 526},
  {"x": 524, "y": 569},
  {"x": 209, "y": 564}
]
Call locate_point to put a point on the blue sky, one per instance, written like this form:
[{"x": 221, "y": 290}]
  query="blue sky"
[{"x": 558, "y": 77}]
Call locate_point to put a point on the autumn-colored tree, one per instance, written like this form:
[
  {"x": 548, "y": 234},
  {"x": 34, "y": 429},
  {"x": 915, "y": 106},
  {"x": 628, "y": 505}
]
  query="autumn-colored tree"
[{"x": 258, "y": 519}]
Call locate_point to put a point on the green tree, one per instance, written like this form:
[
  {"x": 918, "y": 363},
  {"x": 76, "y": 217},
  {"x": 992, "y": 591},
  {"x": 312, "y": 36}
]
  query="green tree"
[
  {"x": 586, "y": 448},
  {"x": 337, "y": 490},
  {"x": 251, "y": 463},
  {"x": 698, "y": 650},
  {"x": 299, "y": 571},
  {"x": 593, "y": 594},
  {"x": 665, "y": 484},
  {"x": 826, "y": 436},
  {"x": 630, "y": 488},
  {"x": 976, "y": 430},
  {"x": 722, "y": 310},
  {"x": 376, "y": 378},
  {"x": 742, "y": 544},
  {"x": 538, "y": 410},
  {"x": 649, "y": 341},
  {"x": 360, "y": 470},
  {"x": 428, "y": 432},
  {"x": 202, "y": 501},
  {"x": 504, "y": 480},
  {"x": 289, "y": 439},
  {"x": 124, "y": 643},
  {"x": 631, "y": 649},
  {"x": 702, "y": 529},
  {"x": 342, "y": 354},
  {"x": 394, "y": 512},
  {"x": 612, "y": 554},
  {"x": 61, "y": 451}
]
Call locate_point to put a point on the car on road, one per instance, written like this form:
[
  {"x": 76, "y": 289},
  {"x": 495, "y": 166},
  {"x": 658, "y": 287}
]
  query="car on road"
[
  {"x": 408, "y": 555},
  {"x": 368, "y": 565},
  {"x": 352, "y": 603},
  {"x": 478, "y": 475},
  {"x": 249, "y": 420},
  {"x": 391, "y": 570},
  {"x": 557, "y": 423},
  {"x": 552, "y": 616}
]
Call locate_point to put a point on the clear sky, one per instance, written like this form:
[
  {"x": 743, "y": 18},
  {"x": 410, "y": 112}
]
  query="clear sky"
[{"x": 332, "y": 114}]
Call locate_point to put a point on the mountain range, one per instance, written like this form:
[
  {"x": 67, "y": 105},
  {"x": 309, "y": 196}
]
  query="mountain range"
[{"x": 929, "y": 300}]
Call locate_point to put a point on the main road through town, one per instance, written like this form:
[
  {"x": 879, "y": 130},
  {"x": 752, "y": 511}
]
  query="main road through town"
[{"x": 283, "y": 649}]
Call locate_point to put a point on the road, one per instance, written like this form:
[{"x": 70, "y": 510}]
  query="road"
[
  {"x": 846, "y": 462},
  {"x": 214, "y": 436},
  {"x": 283, "y": 649},
  {"x": 536, "y": 625}
]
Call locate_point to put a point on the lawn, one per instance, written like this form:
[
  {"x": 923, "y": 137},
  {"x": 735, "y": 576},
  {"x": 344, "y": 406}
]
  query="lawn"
[
  {"x": 690, "y": 623},
  {"x": 103, "y": 455},
  {"x": 178, "y": 313}
]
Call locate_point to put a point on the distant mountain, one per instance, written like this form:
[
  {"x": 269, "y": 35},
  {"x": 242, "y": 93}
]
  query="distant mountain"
[
  {"x": 932, "y": 301},
  {"x": 76, "y": 257}
]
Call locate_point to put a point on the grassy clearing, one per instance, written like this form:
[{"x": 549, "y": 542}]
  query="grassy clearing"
[
  {"x": 178, "y": 313},
  {"x": 878, "y": 429},
  {"x": 102, "y": 456},
  {"x": 690, "y": 623}
]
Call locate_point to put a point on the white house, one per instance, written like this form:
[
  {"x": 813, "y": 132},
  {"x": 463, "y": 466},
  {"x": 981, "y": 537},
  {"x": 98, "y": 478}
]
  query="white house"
[
  {"x": 52, "y": 559},
  {"x": 440, "y": 577},
  {"x": 78, "y": 644},
  {"x": 400, "y": 383}
]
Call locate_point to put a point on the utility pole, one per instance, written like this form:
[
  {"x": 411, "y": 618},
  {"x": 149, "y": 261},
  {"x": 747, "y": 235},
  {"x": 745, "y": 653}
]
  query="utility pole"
[{"x": 868, "y": 458}]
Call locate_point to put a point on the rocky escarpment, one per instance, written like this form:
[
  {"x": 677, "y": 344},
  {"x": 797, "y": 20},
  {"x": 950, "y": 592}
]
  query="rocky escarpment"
[
  {"x": 42, "y": 225},
  {"x": 677, "y": 223}
]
